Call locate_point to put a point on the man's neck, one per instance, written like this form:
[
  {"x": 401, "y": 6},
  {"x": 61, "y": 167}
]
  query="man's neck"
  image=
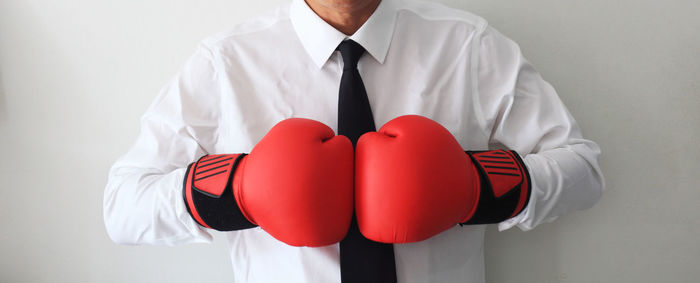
[{"x": 347, "y": 16}]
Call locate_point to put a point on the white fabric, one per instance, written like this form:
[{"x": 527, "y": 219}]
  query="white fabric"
[{"x": 423, "y": 58}]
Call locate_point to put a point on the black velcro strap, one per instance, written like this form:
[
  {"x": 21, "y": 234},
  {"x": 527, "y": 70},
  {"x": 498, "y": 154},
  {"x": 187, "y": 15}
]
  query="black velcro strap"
[
  {"x": 504, "y": 189},
  {"x": 217, "y": 209}
]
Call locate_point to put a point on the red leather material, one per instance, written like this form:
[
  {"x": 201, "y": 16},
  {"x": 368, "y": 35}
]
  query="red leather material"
[
  {"x": 413, "y": 181},
  {"x": 212, "y": 173},
  {"x": 297, "y": 183},
  {"x": 502, "y": 170}
]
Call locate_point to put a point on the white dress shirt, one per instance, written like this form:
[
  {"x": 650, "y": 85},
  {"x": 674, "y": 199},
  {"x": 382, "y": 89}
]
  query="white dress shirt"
[{"x": 422, "y": 58}]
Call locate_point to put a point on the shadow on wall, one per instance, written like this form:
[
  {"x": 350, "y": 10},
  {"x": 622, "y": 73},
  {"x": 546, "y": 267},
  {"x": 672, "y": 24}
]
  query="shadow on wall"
[
  {"x": 3, "y": 103},
  {"x": 518, "y": 256}
]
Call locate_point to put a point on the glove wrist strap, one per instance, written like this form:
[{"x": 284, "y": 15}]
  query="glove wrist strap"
[
  {"x": 208, "y": 193},
  {"x": 504, "y": 185}
]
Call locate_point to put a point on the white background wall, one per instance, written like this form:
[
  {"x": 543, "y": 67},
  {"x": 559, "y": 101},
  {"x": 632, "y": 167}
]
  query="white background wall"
[{"x": 75, "y": 75}]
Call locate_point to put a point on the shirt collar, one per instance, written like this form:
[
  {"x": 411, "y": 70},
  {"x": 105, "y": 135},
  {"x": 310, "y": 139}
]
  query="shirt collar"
[{"x": 320, "y": 39}]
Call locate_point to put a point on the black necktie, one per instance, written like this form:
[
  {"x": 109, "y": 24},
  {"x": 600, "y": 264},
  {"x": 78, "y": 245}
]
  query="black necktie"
[{"x": 361, "y": 260}]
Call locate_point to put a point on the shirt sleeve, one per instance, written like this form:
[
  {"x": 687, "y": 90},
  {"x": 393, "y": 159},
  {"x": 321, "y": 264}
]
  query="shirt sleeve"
[
  {"x": 522, "y": 112},
  {"x": 143, "y": 201}
]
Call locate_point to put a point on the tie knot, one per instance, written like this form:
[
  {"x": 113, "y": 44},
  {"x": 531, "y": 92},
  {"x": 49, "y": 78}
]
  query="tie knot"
[{"x": 351, "y": 52}]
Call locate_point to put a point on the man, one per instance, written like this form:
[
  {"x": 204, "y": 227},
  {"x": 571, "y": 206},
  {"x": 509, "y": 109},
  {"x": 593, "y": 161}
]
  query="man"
[{"x": 420, "y": 58}]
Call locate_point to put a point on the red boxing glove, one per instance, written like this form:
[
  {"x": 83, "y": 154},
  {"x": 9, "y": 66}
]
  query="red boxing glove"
[
  {"x": 413, "y": 181},
  {"x": 297, "y": 184}
]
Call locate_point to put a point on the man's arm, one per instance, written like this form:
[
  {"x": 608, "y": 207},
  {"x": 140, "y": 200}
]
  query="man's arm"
[
  {"x": 522, "y": 112},
  {"x": 143, "y": 201}
]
